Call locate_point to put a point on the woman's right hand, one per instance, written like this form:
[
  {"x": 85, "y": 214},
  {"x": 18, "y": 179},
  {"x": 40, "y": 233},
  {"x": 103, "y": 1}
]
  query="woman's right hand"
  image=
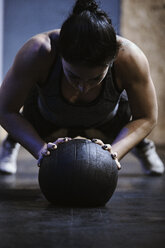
[{"x": 47, "y": 148}]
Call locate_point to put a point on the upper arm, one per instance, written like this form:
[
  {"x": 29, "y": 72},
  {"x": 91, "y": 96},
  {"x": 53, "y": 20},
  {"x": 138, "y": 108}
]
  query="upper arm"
[
  {"x": 25, "y": 72},
  {"x": 137, "y": 81}
]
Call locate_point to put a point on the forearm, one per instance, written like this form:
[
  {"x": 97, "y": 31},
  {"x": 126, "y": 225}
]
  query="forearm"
[
  {"x": 131, "y": 135},
  {"x": 23, "y": 132}
]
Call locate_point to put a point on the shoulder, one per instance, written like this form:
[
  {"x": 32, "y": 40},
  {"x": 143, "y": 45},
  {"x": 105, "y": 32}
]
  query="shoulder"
[
  {"x": 131, "y": 62},
  {"x": 39, "y": 47},
  {"x": 37, "y": 54}
]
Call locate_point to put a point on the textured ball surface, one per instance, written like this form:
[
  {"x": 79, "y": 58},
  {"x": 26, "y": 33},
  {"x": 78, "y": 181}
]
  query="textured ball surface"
[{"x": 78, "y": 173}]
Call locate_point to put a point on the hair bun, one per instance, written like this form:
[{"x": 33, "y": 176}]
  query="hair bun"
[{"x": 85, "y": 5}]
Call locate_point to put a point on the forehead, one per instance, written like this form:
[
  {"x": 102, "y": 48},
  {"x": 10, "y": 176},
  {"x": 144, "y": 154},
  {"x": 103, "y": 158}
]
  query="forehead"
[{"x": 82, "y": 69}]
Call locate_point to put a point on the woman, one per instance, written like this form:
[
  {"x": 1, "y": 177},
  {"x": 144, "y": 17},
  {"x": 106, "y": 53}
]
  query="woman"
[{"x": 80, "y": 78}]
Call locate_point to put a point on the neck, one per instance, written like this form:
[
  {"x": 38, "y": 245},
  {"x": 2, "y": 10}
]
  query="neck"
[{"x": 74, "y": 96}]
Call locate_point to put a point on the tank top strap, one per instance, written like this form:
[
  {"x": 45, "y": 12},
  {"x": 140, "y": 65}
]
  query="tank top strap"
[
  {"x": 52, "y": 83},
  {"x": 111, "y": 91}
]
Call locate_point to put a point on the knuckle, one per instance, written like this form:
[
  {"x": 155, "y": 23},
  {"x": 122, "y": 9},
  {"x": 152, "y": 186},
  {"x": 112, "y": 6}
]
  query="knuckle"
[{"x": 105, "y": 147}]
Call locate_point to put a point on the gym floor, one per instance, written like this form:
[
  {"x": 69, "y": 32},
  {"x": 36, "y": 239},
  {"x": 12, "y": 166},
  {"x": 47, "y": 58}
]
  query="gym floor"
[{"x": 134, "y": 217}]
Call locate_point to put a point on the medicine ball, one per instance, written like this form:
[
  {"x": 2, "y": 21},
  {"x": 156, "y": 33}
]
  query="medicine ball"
[{"x": 78, "y": 173}]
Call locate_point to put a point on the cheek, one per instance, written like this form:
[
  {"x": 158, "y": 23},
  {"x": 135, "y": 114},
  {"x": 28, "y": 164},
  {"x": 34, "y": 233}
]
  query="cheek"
[
  {"x": 69, "y": 79},
  {"x": 72, "y": 82},
  {"x": 66, "y": 75},
  {"x": 95, "y": 83},
  {"x": 91, "y": 86}
]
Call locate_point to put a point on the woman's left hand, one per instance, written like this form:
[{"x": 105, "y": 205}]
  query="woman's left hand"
[{"x": 108, "y": 147}]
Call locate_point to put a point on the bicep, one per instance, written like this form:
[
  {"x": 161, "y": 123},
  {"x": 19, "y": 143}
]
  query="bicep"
[
  {"x": 14, "y": 90},
  {"x": 18, "y": 82},
  {"x": 141, "y": 92}
]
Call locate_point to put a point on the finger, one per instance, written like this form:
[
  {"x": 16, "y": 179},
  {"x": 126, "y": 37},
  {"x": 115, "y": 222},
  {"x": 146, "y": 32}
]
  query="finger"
[
  {"x": 61, "y": 140},
  {"x": 98, "y": 141},
  {"x": 45, "y": 153},
  {"x": 58, "y": 141},
  {"x": 114, "y": 156},
  {"x": 66, "y": 139},
  {"x": 51, "y": 146},
  {"x": 118, "y": 164},
  {"x": 107, "y": 147},
  {"x": 39, "y": 161}
]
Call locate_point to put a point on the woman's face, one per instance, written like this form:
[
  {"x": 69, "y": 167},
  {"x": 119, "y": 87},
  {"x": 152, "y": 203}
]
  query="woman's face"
[{"x": 83, "y": 78}]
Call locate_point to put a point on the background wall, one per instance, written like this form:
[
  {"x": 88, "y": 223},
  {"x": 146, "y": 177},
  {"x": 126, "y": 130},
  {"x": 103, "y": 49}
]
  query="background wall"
[
  {"x": 25, "y": 18},
  {"x": 143, "y": 22}
]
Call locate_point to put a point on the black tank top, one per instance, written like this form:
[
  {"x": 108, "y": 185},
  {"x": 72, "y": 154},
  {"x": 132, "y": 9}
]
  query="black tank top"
[{"x": 56, "y": 109}]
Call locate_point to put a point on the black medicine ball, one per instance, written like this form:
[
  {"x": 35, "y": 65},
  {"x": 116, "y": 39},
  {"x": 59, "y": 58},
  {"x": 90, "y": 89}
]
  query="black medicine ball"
[{"x": 78, "y": 173}]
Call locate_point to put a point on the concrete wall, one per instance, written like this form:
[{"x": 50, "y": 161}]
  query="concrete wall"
[{"x": 143, "y": 22}]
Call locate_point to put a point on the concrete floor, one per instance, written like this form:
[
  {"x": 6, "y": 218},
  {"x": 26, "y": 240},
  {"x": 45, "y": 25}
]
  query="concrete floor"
[{"x": 134, "y": 217}]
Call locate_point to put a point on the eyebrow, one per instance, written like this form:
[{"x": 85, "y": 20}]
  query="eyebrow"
[{"x": 79, "y": 77}]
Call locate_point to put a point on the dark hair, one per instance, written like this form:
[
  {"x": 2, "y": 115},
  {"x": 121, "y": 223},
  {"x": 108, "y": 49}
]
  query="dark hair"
[{"x": 87, "y": 36}]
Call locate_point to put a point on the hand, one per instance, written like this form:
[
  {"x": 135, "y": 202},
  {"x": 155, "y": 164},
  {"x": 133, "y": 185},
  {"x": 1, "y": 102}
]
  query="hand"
[
  {"x": 108, "y": 147},
  {"x": 47, "y": 148}
]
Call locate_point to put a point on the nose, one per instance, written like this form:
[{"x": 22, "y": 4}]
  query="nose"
[{"x": 82, "y": 87}]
